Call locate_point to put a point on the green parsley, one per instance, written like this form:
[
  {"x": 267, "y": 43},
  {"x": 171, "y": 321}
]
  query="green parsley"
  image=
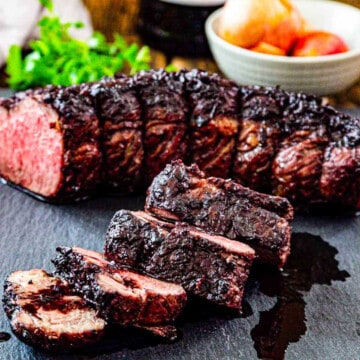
[{"x": 59, "y": 59}]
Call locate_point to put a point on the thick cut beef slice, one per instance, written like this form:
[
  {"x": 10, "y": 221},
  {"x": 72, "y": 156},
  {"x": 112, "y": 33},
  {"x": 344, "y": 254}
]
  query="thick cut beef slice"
[
  {"x": 209, "y": 266},
  {"x": 50, "y": 143},
  {"x": 122, "y": 296},
  {"x": 213, "y": 120},
  {"x": 340, "y": 178},
  {"x": 260, "y": 134},
  {"x": 223, "y": 207},
  {"x": 165, "y": 117},
  {"x": 119, "y": 112},
  {"x": 43, "y": 312},
  {"x": 297, "y": 167}
]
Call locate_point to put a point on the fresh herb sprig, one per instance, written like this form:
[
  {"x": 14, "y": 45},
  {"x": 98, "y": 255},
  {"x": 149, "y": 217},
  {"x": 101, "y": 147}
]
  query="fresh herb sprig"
[{"x": 58, "y": 58}]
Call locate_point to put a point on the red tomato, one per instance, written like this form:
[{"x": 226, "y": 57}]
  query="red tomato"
[{"x": 318, "y": 43}]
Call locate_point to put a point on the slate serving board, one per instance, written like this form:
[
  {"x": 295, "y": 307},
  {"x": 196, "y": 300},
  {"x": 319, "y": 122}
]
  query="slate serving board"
[{"x": 311, "y": 310}]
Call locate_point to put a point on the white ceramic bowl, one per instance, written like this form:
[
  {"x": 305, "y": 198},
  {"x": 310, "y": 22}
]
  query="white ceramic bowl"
[{"x": 320, "y": 75}]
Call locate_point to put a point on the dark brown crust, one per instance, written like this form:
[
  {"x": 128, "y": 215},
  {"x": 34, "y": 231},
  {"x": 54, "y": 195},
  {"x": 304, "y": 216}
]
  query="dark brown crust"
[
  {"x": 214, "y": 270},
  {"x": 223, "y": 207},
  {"x": 340, "y": 176},
  {"x": 297, "y": 167},
  {"x": 258, "y": 140},
  {"x": 119, "y": 112},
  {"x": 214, "y": 121},
  {"x": 165, "y": 119}
]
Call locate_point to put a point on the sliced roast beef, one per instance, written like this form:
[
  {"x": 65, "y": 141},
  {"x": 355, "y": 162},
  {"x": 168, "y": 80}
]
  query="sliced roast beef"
[
  {"x": 209, "y": 266},
  {"x": 165, "y": 119},
  {"x": 121, "y": 296},
  {"x": 44, "y": 313},
  {"x": 182, "y": 193},
  {"x": 120, "y": 114},
  {"x": 214, "y": 121},
  {"x": 50, "y": 143}
]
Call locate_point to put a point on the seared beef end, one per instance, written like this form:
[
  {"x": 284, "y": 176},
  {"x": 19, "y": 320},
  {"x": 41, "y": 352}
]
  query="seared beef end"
[
  {"x": 223, "y": 207},
  {"x": 54, "y": 133},
  {"x": 120, "y": 114},
  {"x": 213, "y": 120},
  {"x": 122, "y": 296},
  {"x": 165, "y": 115},
  {"x": 43, "y": 313},
  {"x": 209, "y": 266}
]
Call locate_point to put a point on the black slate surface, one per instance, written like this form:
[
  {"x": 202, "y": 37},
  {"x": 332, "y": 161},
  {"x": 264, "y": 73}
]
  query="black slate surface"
[{"x": 311, "y": 310}]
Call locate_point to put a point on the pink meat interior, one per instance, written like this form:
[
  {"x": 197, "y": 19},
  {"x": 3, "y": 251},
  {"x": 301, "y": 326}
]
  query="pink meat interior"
[
  {"x": 128, "y": 277},
  {"x": 31, "y": 147}
]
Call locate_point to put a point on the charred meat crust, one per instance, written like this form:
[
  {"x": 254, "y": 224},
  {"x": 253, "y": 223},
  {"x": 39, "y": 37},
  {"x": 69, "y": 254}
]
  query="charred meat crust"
[
  {"x": 43, "y": 312},
  {"x": 247, "y": 133},
  {"x": 165, "y": 113},
  {"x": 213, "y": 120},
  {"x": 223, "y": 207},
  {"x": 211, "y": 267},
  {"x": 119, "y": 112},
  {"x": 121, "y": 296}
]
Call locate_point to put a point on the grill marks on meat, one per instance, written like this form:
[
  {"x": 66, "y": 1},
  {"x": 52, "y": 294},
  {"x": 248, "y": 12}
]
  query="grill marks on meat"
[
  {"x": 258, "y": 140},
  {"x": 209, "y": 266},
  {"x": 340, "y": 176},
  {"x": 119, "y": 110},
  {"x": 297, "y": 166},
  {"x": 165, "y": 118},
  {"x": 55, "y": 149},
  {"x": 122, "y": 296},
  {"x": 223, "y": 207},
  {"x": 213, "y": 120},
  {"x": 43, "y": 312}
]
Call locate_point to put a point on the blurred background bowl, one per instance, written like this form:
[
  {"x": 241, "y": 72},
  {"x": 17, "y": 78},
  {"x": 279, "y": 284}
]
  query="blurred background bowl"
[{"x": 320, "y": 75}]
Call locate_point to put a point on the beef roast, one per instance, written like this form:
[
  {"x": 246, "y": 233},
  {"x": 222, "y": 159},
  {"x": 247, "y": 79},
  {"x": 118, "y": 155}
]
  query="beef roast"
[
  {"x": 43, "y": 312},
  {"x": 121, "y": 296},
  {"x": 50, "y": 143},
  {"x": 209, "y": 266},
  {"x": 181, "y": 193},
  {"x": 274, "y": 141}
]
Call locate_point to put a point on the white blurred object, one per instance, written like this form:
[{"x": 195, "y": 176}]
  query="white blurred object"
[
  {"x": 19, "y": 18},
  {"x": 320, "y": 75}
]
